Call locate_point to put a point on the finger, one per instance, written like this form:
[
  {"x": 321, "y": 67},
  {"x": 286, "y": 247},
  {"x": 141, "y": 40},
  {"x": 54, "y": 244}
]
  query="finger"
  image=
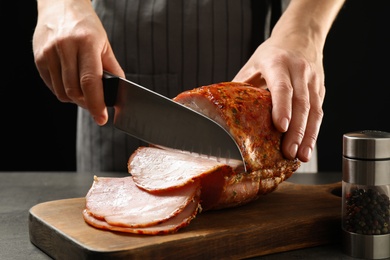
[
  {"x": 296, "y": 131},
  {"x": 300, "y": 111},
  {"x": 41, "y": 64},
  {"x": 92, "y": 88},
  {"x": 313, "y": 123},
  {"x": 282, "y": 105},
  {"x": 307, "y": 145},
  {"x": 54, "y": 65},
  {"x": 91, "y": 69},
  {"x": 109, "y": 63},
  {"x": 278, "y": 81},
  {"x": 48, "y": 66},
  {"x": 67, "y": 53}
]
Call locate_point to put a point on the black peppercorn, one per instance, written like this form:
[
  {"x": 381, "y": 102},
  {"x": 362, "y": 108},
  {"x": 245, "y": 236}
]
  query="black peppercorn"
[{"x": 367, "y": 212}]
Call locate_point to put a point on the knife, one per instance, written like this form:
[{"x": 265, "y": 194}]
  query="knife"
[{"x": 161, "y": 121}]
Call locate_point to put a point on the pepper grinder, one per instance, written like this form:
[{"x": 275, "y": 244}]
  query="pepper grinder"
[{"x": 365, "y": 194}]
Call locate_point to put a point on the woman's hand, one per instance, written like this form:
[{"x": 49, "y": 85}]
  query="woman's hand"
[
  {"x": 290, "y": 64},
  {"x": 71, "y": 50},
  {"x": 293, "y": 72}
]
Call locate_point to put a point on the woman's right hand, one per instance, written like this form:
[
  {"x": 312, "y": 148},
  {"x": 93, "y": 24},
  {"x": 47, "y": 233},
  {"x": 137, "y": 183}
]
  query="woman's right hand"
[{"x": 71, "y": 49}]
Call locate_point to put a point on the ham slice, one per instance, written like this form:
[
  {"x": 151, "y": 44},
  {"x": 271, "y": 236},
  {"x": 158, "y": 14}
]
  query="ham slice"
[
  {"x": 156, "y": 169},
  {"x": 172, "y": 225},
  {"x": 167, "y": 188},
  {"x": 119, "y": 202}
]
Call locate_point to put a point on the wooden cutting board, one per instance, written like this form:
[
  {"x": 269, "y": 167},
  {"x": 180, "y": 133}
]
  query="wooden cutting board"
[{"x": 294, "y": 216}]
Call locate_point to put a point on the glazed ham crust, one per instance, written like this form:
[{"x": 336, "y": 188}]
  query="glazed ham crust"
[{"x": 246, "y": 112}]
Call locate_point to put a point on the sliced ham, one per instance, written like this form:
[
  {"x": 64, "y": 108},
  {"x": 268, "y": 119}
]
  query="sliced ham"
[
  {"x": 156, "y": 169},
  {"x": 167, "y": 188},
  {"x": 172, "y": 225},
  {"x": 119, "y": 202}
]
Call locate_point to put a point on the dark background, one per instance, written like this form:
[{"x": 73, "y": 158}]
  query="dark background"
[{"x": 38, "y": 132}]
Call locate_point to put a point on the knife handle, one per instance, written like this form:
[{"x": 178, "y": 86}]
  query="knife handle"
[{"x": 110, "y": 88}]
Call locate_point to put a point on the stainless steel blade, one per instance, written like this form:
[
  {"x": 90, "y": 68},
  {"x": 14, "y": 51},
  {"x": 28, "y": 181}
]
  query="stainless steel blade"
[{"x": 158, "y": 120}]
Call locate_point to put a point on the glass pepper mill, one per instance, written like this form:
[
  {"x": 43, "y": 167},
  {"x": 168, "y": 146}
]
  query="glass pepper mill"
[{"x": 365, "y": 194}]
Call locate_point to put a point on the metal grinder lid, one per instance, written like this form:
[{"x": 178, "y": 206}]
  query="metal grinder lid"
[{"x": 367, "y": 144}]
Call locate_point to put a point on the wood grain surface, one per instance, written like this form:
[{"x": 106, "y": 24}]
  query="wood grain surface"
[{"x": 294, "y": 216}]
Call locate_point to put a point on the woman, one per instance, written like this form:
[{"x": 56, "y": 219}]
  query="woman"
[{"x": 173, "y": 45}]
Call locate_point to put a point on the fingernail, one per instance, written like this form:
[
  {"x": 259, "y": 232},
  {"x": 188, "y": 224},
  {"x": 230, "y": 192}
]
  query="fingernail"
[
  {"x": 293, "y": 150},
  {"x": 284, "y": 124},
  {"x": 307, "y": 152},
  {"x": 100, "y": 120}
]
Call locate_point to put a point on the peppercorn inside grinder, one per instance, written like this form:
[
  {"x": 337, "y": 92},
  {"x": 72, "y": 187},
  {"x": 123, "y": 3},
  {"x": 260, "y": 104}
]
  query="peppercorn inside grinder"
[{"x": 365, "y": 194}]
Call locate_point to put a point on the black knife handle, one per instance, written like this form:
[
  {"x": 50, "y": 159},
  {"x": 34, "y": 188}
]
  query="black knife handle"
[{"x": 110, "y": 88}]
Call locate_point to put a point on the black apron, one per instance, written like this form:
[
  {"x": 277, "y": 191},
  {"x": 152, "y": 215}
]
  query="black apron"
[{"x": 169, "y": 46}]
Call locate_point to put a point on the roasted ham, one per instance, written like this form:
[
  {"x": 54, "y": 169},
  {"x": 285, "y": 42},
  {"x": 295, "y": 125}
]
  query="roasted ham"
[
  {"x": 168, "y": 188},
  {"x": 245, "y": 112}
]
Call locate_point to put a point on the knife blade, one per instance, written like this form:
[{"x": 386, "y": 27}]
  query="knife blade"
[{"x": 159, "y": 120}]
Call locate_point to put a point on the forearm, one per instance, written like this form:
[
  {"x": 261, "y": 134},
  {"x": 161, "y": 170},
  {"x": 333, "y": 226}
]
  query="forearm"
[
  {"x": 59, "y": 8},
  {"x": 312, "y": 18}
]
